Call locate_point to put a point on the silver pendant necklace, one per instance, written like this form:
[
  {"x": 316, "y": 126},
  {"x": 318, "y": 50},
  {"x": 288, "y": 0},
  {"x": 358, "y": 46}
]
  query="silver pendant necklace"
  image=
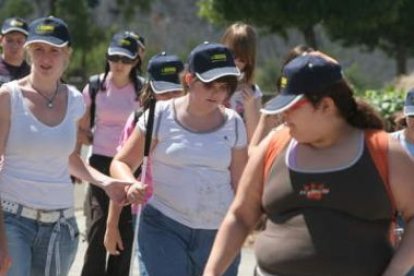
[{"x": 49, "y": 101}]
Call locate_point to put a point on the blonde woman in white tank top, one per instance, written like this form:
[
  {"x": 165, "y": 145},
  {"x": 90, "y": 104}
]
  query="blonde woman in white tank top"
[{"x": 38, "y": 132}]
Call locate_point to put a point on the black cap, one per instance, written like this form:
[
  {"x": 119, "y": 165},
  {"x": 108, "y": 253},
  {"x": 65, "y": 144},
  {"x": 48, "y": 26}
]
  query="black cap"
[
  {"x": 14, "y": 24},
  {"x": 124, "y": 43},
  {"x": 305, "y": 73},
  {"x": 50, "y": 30},
  {"x": 210, "y": 61},
  {"x": 164, "y": 71}
]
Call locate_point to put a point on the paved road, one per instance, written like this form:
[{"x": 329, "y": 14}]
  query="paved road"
[{"x": 245, "y": 269}]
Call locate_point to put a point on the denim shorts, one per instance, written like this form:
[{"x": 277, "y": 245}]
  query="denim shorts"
[
  {"x": 41, "y": 249},
  {"x": 167, "y": 247}
]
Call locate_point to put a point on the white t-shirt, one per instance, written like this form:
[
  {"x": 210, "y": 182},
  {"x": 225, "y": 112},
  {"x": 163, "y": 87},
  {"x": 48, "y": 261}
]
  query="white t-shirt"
[
  {"x": 237, "y": 101},
  {"x": 35, "y": 171},
  {"x": 400, "y": 136},
  {"x": 191, "y": 176}
]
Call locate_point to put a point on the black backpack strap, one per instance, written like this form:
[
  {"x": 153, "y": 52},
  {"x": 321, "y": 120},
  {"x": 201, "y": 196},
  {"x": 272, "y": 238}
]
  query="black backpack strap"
[
  {"x": 94, "y": 83},
  {"x": 137, "y": 114}
]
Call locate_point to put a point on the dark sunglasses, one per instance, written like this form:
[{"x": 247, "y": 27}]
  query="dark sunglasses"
[{"x": 123, "y": 59}]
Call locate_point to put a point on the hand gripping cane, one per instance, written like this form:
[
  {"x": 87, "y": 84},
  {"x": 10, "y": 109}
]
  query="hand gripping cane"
[{"x": 137, "y": 209}]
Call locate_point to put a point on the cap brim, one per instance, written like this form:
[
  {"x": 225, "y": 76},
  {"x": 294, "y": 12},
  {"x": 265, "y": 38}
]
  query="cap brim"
[
  {"x": 280, "y": 103},
  {"x": 140, "y": 44},
  {"x": 160, "y": 87},
  {"x": 121, "y": 52},
  {"x": 408, "y": 110},
  {"x": 13, "y": 29},
  {"x": 217, "y": 73},
  {"x": 47, "y": 40}
]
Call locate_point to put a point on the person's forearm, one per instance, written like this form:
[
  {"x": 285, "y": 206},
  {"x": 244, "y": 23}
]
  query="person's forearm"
[
  {"x": 114, "y": 212},
  {"x": 403, "y": 259},
  {"x": 266, "y": 124},
  {"x": 81, "y": 170},
  {"x": 121, "y": 170}
]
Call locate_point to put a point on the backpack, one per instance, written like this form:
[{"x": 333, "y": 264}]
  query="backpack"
[{"x": 94, "y": 86}]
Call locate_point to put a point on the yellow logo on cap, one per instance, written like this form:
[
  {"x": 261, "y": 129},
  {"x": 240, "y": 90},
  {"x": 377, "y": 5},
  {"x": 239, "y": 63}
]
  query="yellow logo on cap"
[
  {"x": 125, "y": 42},
  {"x": 16, "y": 23},
  {"x": 218, "y": 57},
  {"x": 283, "y": 82},
  {"x": 42, "y": 29},
  {"x": 168, "y": 70}
]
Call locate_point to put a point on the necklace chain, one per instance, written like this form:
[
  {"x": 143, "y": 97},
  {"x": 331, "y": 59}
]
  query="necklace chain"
[{"x": 51, "y": 99}]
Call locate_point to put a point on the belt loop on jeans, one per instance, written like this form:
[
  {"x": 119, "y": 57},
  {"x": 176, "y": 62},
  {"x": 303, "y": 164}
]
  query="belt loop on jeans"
[{"x": 19, "y": 209}]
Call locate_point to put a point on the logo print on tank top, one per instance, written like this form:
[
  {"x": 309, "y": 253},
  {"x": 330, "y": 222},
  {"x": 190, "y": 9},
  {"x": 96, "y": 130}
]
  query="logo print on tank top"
[{"x": 314, "y": 191}]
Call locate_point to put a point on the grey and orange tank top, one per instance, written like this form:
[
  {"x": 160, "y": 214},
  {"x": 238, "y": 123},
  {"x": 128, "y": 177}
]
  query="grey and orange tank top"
[{"x": 334, "y": 222}]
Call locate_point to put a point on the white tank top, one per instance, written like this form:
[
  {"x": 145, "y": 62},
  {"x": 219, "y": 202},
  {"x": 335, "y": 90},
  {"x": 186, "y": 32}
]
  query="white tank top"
[{"x": 35, "y": 171}]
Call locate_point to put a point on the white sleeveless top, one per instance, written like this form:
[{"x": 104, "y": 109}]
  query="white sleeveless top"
[{"x": 35, "y": 171}]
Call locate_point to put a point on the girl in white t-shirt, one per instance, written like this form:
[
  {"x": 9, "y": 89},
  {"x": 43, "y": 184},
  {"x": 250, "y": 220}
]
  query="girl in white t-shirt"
[
  {"x": 240, "y": 38},
  {"x": 164, "y": 84},
  {"x": 198, "y": 154}
]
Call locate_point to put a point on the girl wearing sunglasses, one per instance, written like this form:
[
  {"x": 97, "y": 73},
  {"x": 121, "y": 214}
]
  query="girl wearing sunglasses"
[{"x": 116, "y": 97}]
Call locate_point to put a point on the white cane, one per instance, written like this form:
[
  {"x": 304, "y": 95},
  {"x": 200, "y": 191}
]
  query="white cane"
[{"x": 144, "y": 169}]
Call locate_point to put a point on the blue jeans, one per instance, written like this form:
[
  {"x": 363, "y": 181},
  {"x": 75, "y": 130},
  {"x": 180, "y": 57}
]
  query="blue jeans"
[
  {"x": 40, "y": 248},
  {"x": 171, "y": 248}
]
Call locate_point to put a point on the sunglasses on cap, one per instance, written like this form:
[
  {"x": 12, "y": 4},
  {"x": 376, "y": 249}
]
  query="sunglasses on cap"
[{"x": 122, "y": 59}]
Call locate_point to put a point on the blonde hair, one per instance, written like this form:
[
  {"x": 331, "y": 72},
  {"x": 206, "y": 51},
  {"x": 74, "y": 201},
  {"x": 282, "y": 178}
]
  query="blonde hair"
[{"x": 241, "y": 39}]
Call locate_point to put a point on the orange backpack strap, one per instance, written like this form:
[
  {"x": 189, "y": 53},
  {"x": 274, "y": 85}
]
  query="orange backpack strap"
[
  {"x": 279, "y": 140},
  {"x": 377, "y": 141}
]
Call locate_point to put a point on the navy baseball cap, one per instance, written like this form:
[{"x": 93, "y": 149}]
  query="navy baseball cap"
[
  {"x": 408, "y": 109},
  {"x": 306, "y": 73},
  {"x": 140, "y": 39},
  {"x": 50, "y": 30},
  {"x": 124, "y": 43},
  {"x": 210, "y": 61},
  {"x": 14, "y": 24},
  {"x": 164, "y": 71}
]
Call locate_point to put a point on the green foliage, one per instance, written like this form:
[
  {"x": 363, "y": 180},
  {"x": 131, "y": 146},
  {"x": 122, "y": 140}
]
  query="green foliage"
[
  {"x": 356, "y": 77},
  {"x": 206, "y": 11},
  {"x": 128, "y": 8},
  {"x": 388, "y": 101},
  {"x": 89, "y": 40},
  {"x": 267, "y": 75},
  {"x": 391, "y": 31},
  {"x": 21, "y": 8},
  {"x": 275, "y": 16},
  {"x": 383, "y": 24}
]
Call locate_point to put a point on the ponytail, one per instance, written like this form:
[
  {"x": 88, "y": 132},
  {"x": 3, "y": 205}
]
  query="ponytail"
[
  {"x": 102, "y": 83},
  {"x": 357, "y": 113},
  {"x": 146, "y": 95},
  {"x": 365, "y": 117}
]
